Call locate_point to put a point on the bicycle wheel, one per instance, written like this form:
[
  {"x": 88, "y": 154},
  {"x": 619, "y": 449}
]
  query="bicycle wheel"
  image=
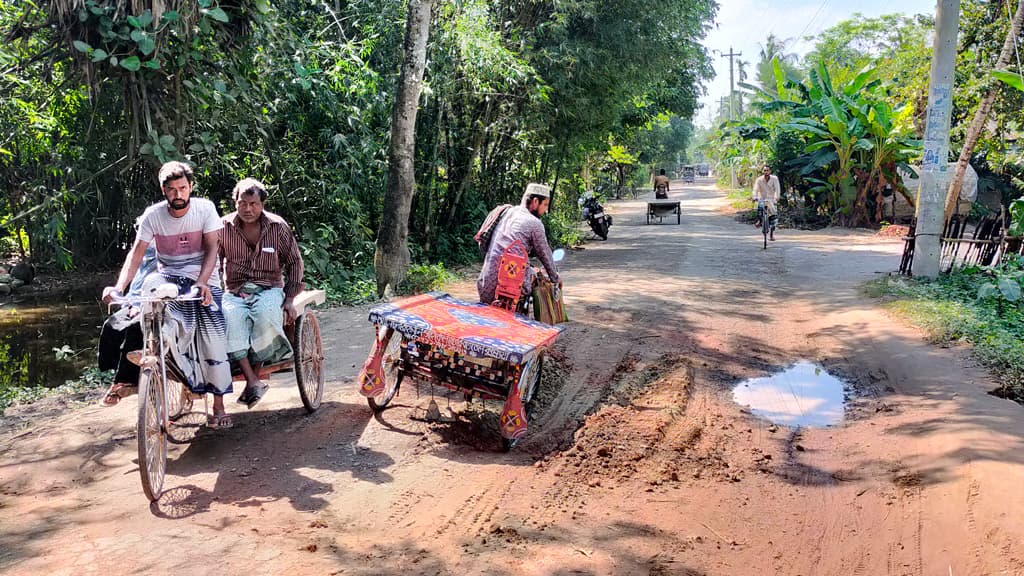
[
  {"x": 390, "y": 370},
  {"x": 764, "y": 226},
  {"x": 529, "y": 381},
  {"x": 309, "y": 361},
  {"x": 179, "y": 400},
  {"x": 152, "y": 436}
]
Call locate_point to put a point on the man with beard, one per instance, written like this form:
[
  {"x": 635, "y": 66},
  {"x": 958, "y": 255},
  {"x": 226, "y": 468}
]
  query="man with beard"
[
  {"x": 186, "y": 233},
  {"x": 263, "y": 274},
  {"x": 519, "y": 223}
]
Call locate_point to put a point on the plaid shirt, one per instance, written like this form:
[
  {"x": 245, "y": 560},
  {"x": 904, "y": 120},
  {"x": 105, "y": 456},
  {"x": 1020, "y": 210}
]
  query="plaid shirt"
[{"x": 273, "y": 262}]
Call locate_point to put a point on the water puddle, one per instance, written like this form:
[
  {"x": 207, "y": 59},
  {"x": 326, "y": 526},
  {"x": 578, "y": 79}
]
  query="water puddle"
[
  {"x": 31, "y": 328},
  {"x": 802, "y": 395}
]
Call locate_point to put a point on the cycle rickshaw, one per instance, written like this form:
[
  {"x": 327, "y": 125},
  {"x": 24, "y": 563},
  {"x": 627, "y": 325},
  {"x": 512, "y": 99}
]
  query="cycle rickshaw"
[
  {"x": 164, "y": 400},
  {"x": 485, "y": 351}
]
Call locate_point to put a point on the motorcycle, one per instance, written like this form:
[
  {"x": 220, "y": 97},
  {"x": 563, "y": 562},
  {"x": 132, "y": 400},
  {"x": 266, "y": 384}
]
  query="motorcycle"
[{"x": 594, "y": 214}]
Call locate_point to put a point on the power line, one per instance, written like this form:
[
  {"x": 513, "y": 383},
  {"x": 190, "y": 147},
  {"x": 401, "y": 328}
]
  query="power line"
[{"x": 820, "y": 8}]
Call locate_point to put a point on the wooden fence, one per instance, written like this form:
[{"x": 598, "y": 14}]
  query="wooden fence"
[{"x": 986, "y": 246}]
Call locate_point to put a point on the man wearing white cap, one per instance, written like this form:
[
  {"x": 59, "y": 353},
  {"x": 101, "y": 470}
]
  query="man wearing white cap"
[{"x": 519, "y": 223}]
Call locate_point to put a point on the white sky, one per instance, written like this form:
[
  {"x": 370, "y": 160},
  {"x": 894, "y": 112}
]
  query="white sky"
[{"x": 745, "y": 24}]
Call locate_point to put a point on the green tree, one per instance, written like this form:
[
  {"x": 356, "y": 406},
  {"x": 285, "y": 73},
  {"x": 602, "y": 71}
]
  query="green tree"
[{"x": 774, "y": 50}]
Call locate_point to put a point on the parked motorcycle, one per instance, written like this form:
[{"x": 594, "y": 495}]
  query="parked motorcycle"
[{"x": 594, "y": 214}]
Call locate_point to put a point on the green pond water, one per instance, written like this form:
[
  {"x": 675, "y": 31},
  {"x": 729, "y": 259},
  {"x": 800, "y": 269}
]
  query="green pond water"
[{"x": 31, "y": 327}]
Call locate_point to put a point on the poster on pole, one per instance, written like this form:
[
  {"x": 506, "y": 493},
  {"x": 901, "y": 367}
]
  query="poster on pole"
[{"x": 936, "y": 133}]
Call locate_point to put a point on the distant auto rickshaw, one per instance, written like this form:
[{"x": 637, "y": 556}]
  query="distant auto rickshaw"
[{"x": 688, "y": 173}]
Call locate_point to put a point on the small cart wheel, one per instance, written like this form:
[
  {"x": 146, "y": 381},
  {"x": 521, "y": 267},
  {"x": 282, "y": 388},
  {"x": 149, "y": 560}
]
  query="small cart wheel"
[
  {"x": 529, "y": 383},
  {"x": 391, "y": 370},
  {"x": 309, "y": 360},
  {"x": 152, "y": 435}
]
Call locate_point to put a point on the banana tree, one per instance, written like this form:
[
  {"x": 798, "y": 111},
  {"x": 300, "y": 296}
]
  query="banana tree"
[
  {"x": 835, "y": 137},
  {"x": 891, "y": 145},
  {"x": 849, "y": 131}
]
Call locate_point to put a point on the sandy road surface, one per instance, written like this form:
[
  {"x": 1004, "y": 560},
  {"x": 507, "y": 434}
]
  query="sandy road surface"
[{"x": 638, "y": 462}]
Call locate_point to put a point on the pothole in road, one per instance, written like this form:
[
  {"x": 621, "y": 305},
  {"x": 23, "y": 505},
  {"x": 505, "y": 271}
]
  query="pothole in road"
[{"x": 802, "y": 395}]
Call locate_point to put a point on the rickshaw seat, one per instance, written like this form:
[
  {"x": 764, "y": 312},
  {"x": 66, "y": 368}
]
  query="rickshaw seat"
[{"x": 308, "y": 298}]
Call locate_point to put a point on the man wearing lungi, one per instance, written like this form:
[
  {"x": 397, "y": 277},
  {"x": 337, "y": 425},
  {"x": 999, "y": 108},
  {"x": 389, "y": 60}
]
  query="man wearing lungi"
[
  {"x": 186, "y": 232},
  {"x": 263, "y": 274},
  {"x": 519, "y": 223},
  {"x": 766, "y": 193}
]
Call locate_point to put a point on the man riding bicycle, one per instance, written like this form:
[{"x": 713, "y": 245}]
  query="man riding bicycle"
[
  {"x": 186, "y": 233},
  {"x": 661, "y": 186},
  {"x": 767, "y": 192}
]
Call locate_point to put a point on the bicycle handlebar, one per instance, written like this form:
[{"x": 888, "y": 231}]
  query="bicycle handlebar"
[{"x": 191, "y": 296}]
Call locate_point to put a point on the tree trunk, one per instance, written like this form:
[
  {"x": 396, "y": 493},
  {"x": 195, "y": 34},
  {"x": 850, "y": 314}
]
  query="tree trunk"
[
  {"x": 391, "y": 258},
  {"x": 981, "y": 116}
]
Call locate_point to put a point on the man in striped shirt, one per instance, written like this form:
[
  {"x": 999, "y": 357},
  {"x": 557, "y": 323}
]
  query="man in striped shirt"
[{"x": 263, "y": 274}]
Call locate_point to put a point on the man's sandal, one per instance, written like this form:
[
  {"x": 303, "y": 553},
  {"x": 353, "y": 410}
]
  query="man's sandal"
[
  {"x": 253, "y": 395},
  {"x": 219, "y": 421},
  {"x": 116, "y": 392}
]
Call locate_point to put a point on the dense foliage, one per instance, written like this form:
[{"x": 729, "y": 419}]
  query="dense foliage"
[
  {"x": 298, "y": 93},
  {"x": 837, "y": 124}
]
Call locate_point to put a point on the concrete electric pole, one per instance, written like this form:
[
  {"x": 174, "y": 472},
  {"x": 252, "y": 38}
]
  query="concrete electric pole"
[
  {"x": 935, "y": 173},
  {"x": 732, "y": 85},
  {"x": 732, "y": 98}
]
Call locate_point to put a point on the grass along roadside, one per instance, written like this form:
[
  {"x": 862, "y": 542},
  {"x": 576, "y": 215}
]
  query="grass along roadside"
[
  {"x": 962, "y": 307},
  {"x": 91, "y": 379}
]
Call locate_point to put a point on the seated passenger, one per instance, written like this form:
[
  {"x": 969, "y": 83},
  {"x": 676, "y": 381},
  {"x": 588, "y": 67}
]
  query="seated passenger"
[{"x": 263, "y": 274}]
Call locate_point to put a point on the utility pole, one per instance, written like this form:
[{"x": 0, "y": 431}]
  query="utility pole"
[
  {"x": 732, "y": 98},
  {"x": 732, "y": 85},
  {"x": 935, "y": 174}
]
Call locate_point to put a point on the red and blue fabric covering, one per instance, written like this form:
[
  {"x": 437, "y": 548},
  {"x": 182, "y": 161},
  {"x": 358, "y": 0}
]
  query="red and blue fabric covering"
[
  {"x": 466, "y": 328},
  {"x": 462, "y": 327}
]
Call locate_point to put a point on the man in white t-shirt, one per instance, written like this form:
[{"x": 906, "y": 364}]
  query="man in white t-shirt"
[
  {"x": 767, "y": 192},
  {"x": 186, "y": 232}
]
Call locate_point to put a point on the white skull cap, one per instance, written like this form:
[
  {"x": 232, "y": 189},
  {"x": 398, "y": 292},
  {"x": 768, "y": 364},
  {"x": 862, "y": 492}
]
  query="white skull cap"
[{"x": 534, "y": 189}]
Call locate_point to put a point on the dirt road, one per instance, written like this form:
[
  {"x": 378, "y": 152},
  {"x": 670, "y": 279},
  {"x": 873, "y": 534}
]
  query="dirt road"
[{"x": 638, "y": 462}]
